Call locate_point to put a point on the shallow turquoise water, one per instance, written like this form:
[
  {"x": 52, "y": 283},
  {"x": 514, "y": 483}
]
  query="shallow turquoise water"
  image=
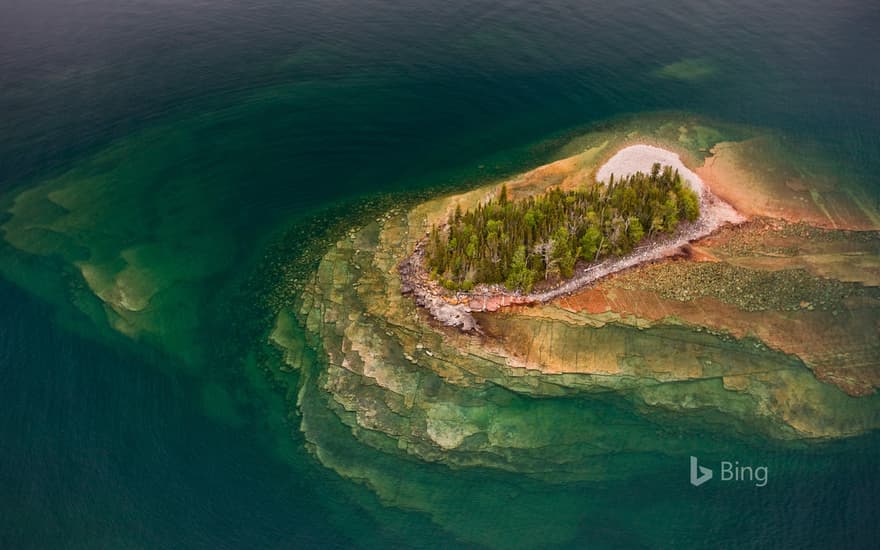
[{"x": 229, "y": 134}]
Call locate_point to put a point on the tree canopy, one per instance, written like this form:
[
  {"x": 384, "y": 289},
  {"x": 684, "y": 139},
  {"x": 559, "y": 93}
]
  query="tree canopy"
[{"x": 518, "y": 243}]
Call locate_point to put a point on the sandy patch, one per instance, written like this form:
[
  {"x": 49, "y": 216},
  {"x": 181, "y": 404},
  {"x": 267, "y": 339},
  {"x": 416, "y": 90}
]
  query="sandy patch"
[{"x": 778, "y": 192}]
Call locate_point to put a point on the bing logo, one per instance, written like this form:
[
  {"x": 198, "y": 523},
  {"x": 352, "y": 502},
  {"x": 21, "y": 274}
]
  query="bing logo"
[
  {"x": 730, "y": 471},
  {"x": 699, "y": 474}
]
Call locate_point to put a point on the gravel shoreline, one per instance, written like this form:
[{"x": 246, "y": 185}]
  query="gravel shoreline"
[{"x": 455, "y": 310}]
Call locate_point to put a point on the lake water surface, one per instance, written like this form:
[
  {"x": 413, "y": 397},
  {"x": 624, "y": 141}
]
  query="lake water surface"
[{"x": 213, "y": 142}]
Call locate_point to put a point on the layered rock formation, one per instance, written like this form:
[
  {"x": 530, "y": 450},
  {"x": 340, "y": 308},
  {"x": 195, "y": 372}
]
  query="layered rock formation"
[{"x": 766, "y": 330}]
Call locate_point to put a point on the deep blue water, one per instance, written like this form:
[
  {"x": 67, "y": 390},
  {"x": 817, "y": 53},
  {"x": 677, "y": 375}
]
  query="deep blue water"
[{"x": 277, "y": 111}]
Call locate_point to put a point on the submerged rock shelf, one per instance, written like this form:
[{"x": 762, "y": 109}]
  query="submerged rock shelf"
[
  {"x": 640, "y": 363},
  {"x": 531, "y": 392},
  {"x": 762, "y": 336}
]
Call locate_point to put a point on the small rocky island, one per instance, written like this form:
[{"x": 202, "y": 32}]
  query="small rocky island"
[
  {"x": 504, "y": 252},
  {"x": 766, "y": 332}
]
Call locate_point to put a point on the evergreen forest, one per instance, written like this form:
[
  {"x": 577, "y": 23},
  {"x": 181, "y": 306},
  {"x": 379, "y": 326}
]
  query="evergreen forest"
[{"x": 541, "y": 238}]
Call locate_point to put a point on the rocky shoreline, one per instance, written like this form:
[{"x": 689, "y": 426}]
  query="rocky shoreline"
[{"x": 455, "y": 310}]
